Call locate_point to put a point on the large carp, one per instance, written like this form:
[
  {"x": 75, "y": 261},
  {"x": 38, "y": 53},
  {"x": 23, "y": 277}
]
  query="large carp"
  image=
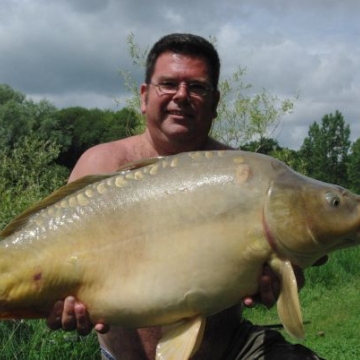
[{"x": 173, "y": 241}]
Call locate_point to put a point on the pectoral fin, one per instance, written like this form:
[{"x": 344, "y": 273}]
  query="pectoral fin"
[
  {"x": 181, "y": 340},
  {"x": 288, "y": 304}
]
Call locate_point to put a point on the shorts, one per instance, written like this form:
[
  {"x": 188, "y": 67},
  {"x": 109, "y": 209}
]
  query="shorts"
[{"x": 252, "y": 342}]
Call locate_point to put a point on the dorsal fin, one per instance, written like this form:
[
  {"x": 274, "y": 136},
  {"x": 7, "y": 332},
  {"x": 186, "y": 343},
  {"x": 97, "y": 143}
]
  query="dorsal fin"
[{"x": 19, "y": 221}]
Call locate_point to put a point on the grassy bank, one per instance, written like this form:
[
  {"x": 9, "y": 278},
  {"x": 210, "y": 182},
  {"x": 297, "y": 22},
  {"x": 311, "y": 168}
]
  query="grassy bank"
[
  {"x": 32, "y": 340},
  {"x": 331, "y": 304}
]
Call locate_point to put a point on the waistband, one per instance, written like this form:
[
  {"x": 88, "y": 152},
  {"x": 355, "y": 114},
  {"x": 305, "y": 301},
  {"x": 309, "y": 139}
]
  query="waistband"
[{"x": 105, "y": 354}]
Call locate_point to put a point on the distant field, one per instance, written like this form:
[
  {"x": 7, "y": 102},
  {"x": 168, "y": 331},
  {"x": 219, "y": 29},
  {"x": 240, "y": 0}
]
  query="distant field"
[{"x": 330, "y": 302}]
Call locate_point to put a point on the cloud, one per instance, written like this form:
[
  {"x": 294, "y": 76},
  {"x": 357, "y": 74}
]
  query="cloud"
[{"x": 70, "y": 51}]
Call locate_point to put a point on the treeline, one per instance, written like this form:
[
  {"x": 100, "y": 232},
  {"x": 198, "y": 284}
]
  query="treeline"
[
  {"x": 326, "y": 154},
  {"x": 72, "y": 129},
  {"x": 50, "y": 140}
]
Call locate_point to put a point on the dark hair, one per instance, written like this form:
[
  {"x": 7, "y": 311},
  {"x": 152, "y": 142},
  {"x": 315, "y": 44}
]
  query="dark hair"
[{"x": 186, "y": 44}]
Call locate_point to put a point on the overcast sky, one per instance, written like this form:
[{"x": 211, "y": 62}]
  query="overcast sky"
[{"x": 70, "y": 51}]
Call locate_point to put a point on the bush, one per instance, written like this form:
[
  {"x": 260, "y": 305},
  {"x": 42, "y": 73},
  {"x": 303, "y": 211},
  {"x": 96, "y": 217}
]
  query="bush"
[{"x": 27, "y": 174}]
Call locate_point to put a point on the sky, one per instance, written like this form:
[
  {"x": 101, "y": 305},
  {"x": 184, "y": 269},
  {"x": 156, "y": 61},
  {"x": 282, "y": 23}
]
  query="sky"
[{"x": 70, "y": 52}]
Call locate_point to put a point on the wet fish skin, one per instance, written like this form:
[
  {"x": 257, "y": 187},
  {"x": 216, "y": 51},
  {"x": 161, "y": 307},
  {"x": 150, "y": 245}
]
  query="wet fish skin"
[{"x": 184, "y": 236}]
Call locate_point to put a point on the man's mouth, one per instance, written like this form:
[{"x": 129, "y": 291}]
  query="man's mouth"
[{"x": 178, "y": 113}]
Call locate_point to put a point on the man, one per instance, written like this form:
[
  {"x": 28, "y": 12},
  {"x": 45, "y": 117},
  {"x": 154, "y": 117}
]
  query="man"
[{"x": 179, "y": 100}]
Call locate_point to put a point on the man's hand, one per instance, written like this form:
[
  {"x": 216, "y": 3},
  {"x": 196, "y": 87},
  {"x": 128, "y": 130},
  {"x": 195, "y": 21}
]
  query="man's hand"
[
  {"x": 72, "y": 315},
  {"x": 269, "y": 290},
  {"x": 270, "y": 286}
]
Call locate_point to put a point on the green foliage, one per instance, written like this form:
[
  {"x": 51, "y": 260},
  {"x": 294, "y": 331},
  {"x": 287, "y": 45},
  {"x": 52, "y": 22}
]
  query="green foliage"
[
  {"x": 19, "y": 117},
  {"x": 290, "y": 158},
  {"x": 331, "y": 315},
  {"x": 8, "y": 94},
  {"x": 27, "y": 174},
  {"x": 137, "y": 54},
  {"x": 133, "y": 102},
  {"x": 32, "y": 340},
  {"x": 326, "y": 149},
  {"x": 15, "y": 122},
  {"x": 85, "y": 128},
  {"x": 243, "y": 117},
  {"x": 329, "y": 302},
  {"x": 353, "y": 167},
  {"x": 73, "y": 129},
  {"x": 264, "y": 146}
]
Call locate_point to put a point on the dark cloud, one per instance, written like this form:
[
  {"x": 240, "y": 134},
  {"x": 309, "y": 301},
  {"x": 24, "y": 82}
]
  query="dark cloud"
[{"x": 70, "y": 51}]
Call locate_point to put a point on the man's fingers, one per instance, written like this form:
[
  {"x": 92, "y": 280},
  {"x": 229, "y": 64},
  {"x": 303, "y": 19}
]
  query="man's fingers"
[
  {"x": 72, "y": 315},
  {"x": 83, "y": 324},
  {"x": 54, "y": 319},
  {"x": 68, "y": 319},
  {"x": 102, "y": 328},
  {"x": 269, "y": 290}
]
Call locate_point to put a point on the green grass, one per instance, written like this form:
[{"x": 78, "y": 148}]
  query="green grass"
[
  {"x": 333, "y": 316},
  {"x": 32, "y": 340},
  {"x": 330, "y": 303}
]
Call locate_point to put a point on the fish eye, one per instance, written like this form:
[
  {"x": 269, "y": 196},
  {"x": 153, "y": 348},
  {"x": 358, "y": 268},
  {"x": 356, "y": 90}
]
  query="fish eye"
[{"x": 332, "y": 199}]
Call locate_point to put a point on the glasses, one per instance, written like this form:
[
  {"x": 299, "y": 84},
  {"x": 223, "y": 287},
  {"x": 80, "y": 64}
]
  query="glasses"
[{"x": 194, "y": 89}]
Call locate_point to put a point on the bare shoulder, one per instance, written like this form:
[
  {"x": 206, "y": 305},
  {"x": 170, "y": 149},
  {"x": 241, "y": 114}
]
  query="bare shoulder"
[{"x": 103, "y": 158}]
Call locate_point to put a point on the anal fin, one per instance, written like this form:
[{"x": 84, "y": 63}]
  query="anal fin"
[{"x": 181, "y": 340}]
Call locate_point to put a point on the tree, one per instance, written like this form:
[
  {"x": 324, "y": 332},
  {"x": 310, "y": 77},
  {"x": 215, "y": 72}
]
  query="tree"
[
  {"x": 243, "y": 117},
  {"x": 15, "y": 122},
  {"x": 87, "y": 127},
  {"x": 27, "y": 173},
  {"x": 73, "y": 129},
  {"x": 326, "y": 148},
  {"x": 353, "y": 167},
  {"x": 291, "y": 158},
  {"x": 19, "y": 117},
  {"x": 133, "y": 102},
  {"x": 266, "y": 146},
  {"x": 7, "y": 93}
]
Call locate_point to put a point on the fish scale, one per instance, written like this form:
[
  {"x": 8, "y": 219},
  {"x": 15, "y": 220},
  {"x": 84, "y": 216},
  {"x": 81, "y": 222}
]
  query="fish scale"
[{"x": 186, "y": 236}]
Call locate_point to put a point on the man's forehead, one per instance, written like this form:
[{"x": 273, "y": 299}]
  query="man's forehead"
[{"x": 172, "y": 63}]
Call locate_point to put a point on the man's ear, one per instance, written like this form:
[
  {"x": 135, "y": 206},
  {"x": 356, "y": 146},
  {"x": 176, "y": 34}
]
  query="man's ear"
[
  {"x": 143, "y": 96},
  {"x": 215, "y": 103}
]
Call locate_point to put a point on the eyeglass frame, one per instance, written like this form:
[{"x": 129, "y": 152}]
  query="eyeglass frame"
[{"x": 206, "y": 88}]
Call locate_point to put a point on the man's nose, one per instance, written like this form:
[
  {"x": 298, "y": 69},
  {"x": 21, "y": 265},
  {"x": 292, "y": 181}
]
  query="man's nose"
[{"x": 182, "y": 92}]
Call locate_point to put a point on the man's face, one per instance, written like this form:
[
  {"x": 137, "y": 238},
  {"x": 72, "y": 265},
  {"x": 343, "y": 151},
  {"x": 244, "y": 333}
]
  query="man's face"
[{"x": 182, "y": 117}]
